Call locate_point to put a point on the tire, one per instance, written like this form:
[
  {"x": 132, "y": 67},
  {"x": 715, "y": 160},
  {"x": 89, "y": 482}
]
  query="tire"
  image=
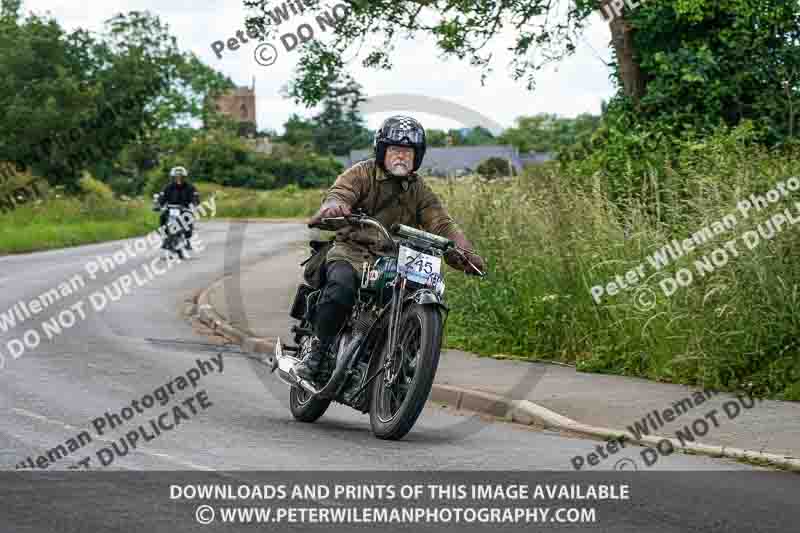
[
  {"x": 305, "y": 409},
  {"x": 182, "y": 248},
  {"x": 169, "y": 244},
  {"x": 420, "y": 325},
  {"x": 302, "y": 407}
]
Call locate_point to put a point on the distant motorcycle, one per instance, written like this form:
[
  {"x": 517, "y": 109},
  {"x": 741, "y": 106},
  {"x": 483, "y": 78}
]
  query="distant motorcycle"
[
  {"x": 175, "y": 241},
  {"x": 386, "y": 355}
]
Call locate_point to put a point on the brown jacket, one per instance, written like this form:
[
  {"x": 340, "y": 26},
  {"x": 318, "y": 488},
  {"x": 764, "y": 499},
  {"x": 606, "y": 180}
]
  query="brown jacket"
[{"x": 389, "y": 200}]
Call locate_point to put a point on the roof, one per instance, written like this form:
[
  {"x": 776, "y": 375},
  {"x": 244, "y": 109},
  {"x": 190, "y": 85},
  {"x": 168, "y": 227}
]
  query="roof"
[{"x": 454, "y": 158}]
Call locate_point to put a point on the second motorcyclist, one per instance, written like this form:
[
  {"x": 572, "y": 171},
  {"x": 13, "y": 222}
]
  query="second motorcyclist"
[{"x": 179, "y": 192}]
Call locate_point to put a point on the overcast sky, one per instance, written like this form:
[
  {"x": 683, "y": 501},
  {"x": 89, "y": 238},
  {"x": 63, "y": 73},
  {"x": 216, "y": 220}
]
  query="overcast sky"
[{"x": 576, "y": 85}]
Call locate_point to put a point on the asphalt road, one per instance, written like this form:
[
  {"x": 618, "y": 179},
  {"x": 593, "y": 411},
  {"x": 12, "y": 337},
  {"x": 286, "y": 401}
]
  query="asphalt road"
[{"x": 52, "y": 393}]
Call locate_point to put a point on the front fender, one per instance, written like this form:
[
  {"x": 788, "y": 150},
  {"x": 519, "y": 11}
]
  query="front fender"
[
  {"x": 420, "y": 297},
  {"x": 426, "y": 297}
]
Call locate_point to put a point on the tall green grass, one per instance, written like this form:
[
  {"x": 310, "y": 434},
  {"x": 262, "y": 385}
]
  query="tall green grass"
[{"x": 548, "y": 241}]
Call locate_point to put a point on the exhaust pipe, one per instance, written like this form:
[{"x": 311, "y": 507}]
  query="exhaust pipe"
[{"x": 284, "y": 364}]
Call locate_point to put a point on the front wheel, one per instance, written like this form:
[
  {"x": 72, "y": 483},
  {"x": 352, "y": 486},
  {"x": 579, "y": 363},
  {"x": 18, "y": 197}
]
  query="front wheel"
[{"x": 400, "y": 392}]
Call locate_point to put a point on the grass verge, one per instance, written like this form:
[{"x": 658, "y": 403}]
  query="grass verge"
[
  {"x": 288, "y": 202},
  {"x": 58, "y": 222}
]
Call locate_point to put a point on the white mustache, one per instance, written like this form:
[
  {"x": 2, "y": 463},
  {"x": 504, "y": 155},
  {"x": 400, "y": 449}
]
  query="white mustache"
[{"x": 400, "y": 167}]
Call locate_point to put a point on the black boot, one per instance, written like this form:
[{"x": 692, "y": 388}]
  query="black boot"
[{"x": 309, "y": 366}]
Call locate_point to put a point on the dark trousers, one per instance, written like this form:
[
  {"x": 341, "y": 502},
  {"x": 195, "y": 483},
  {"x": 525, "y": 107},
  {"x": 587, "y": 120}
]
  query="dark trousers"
[
  {"x": 163, "y": 223},
  {"x": 336, "y": 301}
]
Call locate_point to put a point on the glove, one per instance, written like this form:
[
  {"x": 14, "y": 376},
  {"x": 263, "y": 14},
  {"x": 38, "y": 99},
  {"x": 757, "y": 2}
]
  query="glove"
[
  {"x": 330, "y": 211},
  {"x": 454, "y": 259},
  {"x": 478, "y": 263}
]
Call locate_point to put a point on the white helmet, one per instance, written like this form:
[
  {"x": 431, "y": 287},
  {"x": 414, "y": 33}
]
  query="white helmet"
[{"x": 178, "y": 171}]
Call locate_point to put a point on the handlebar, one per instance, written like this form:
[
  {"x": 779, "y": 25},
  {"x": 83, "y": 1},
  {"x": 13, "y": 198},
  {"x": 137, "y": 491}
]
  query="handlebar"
[{"x": 334, "y": 223}]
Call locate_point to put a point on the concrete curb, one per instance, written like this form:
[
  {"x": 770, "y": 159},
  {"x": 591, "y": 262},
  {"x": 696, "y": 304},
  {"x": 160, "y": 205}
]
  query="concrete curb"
[
  {"x": 206, "y": 313},
  {"x": 517, "y": 411}
]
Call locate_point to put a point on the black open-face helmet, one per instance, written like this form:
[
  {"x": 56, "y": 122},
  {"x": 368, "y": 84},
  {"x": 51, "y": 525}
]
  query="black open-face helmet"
[{"x": 400, "y": 131}]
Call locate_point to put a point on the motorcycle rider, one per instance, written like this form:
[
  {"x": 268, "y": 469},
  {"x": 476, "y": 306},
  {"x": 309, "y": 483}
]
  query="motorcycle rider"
[
  {"x": 388, "y": 188},
  {"x": 179, "y": 191}
]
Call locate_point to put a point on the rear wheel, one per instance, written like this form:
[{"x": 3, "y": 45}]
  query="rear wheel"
[
  {"x": 303, "y": 407},
  {"x": 400, "y": 392}
]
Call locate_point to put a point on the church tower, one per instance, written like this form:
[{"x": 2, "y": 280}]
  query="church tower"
[{"x": 240, "y": 105}]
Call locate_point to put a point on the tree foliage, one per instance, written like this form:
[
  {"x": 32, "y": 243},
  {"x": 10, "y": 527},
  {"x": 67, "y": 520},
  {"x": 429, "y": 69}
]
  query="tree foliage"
[
  {"x": 73, "y": 100},
  {"x": 684, "y": 63},
  {"x": 338, "y": 128},
  {"x": 495, "y": 167},
  {"x": 223, "y": 157},
  {"x": 459, "y": 137},
  {"x": 549, "y": 133},
  {"x": 719, "y": 62},
  {"x": 461, "y": 28}
]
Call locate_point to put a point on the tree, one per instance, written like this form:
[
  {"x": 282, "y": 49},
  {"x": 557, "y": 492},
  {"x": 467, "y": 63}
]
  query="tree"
[
  {"x": 701, "y": 61},
  {"x": 544, "y": 33},
  {"x": 495, "y": 167},
  {"x": 72, "y": 101},
  {"x": 436, "y": 137},
  {"x": 478, "y": 135},
  {"x": 9, "y": 10},
  {"x": 48, "y": 95},
  {"x": 548, "y": 132},
  {"x": 459, "y": 137},
  {"x": 339, "y": 128},
  {"x": 298, "y": 131}
]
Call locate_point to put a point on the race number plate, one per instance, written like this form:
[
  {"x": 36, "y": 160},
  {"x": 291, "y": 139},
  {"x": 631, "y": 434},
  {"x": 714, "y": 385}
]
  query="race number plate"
[
  {"x": 174, "y": 212},
  {"x": 418, "y": 266}
]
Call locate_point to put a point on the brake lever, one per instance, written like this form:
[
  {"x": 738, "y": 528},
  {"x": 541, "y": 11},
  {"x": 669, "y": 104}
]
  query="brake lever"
[{"x": 465, "y": 258}]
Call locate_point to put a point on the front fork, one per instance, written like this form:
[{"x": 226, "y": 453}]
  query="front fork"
[{"x": 394, "y": 326}]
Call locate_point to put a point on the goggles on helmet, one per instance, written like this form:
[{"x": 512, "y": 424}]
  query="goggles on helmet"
[{"x": 403, "y": 136}]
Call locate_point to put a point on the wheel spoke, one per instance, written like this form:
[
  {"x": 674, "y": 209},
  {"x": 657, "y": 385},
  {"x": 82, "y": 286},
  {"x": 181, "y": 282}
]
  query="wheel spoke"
[
  {"x": 392, "y": 400},
  {"x": 403, "y": 371}
]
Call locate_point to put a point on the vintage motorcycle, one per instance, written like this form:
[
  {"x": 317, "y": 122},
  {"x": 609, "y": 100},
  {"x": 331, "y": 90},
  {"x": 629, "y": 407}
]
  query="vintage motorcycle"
[
  {"x": 175, "y": 242},
  {"x": 385, "y": 357}
]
